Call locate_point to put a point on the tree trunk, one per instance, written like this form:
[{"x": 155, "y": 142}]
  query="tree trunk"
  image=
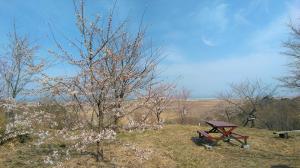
[
  {"x": 158, "y": 117},
  {"x": 116, "y": 124},
  {"x": 99, "y": 152}
]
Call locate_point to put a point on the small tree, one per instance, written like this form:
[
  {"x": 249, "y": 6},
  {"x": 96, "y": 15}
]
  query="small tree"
[
  {"x": 160, "y": 98},
  {"x": 293, "y": 50},
  {"x": 112, "y": 66},
  {"x": 18, "y": 65},
  {"x": 19, "y": 68},
  {"x": 183, "y": 105},
  {"x": 247, "y": 97},
  {"x": 226, "y": 110}
]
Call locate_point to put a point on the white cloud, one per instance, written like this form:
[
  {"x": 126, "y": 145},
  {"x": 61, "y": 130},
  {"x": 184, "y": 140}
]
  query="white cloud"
[
  {"x": 240, "y": 18},
  {"x": 172, "y": 54},
  {"x": 276, "y": 31},
  {"x": 263, "y": 62},
  {"x": 220, "y": 15},
  {"x": 294, "y": 12},
  {"x": 214, "y": 15},
  {"x": 209, "y": 78},
  {"x": 260, "y": 4},
  {"x": 208, "y": 42},
  {"x": 270, "y": 35}
]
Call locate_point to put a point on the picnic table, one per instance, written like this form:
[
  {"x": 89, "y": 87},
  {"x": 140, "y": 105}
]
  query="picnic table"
[{"x": 225, "y": 131}]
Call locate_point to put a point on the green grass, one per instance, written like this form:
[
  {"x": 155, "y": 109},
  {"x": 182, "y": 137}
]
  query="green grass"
[{"x": 171, "y": 146}]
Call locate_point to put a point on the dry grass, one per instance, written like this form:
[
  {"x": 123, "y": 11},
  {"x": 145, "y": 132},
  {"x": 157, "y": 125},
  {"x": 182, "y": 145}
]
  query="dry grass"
[
  {"x": 172, "y": 146},
  {"x": 180, "y": 145},
  {"x": 198, "y": 110}
]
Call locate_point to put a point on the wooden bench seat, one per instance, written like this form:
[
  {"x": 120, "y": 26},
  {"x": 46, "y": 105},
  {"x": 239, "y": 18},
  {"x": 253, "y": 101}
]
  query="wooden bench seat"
[
  {"x": 285, "y": 134},
  {"x": 203, "y": 134},
  {"x": 240, "y": 136}
]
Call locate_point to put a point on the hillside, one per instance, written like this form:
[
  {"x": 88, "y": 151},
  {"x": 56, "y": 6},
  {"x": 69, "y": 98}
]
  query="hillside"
[{"x": 171, "y": 146}]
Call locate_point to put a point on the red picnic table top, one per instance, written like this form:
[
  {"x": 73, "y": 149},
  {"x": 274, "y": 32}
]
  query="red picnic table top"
[{"x": 220, "y": 124}]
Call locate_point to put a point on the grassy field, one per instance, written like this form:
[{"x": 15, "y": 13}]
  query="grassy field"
[
  {"x": 171, "y": 146},
  {"x": 180, "y": 146}
]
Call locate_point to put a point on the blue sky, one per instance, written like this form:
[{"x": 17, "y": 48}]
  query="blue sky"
[{"x": 207, "y": 44}]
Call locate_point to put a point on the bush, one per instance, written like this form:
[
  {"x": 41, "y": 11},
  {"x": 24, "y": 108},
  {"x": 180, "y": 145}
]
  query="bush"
[
  {"x": 58, "y": 111},
  {"x": 2, "y": 121},
  {"x": 23, "y": 138},
  {"x": 272, "y": 114},
  {"x": 282, "y": 114},
  {"x": 55, "y": 115}
]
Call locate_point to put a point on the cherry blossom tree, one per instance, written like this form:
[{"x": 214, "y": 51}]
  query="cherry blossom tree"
[
  {"x": 160, "y": 98},
  {"x": 19, "y": 65},
  {"x": 19, "y": 68},
  {"x": 111, "y": 65}
]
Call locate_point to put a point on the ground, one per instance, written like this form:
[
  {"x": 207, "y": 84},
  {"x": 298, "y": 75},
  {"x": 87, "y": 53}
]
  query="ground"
[{"x": 171, "y": 146}]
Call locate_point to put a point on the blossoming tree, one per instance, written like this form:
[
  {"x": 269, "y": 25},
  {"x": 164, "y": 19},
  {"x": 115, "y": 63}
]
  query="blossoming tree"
[
  {"x": 111, "y": 67},
  {"x": 19, "y": 65}
]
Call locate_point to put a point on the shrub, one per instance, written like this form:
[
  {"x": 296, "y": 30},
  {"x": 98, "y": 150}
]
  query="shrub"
[
  {"x": 55, "y": 115},
  {"x": 281, "y": 114},
  {"x": 2, "y": 122},
  {"x": 273, "y": 114}
]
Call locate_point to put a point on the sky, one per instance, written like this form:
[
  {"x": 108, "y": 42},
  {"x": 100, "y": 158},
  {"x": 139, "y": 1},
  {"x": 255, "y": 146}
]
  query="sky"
[{"x": 206, "y": 44}]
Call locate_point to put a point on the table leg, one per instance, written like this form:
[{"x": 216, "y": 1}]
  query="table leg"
[{"x": 213, "y": 130}]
